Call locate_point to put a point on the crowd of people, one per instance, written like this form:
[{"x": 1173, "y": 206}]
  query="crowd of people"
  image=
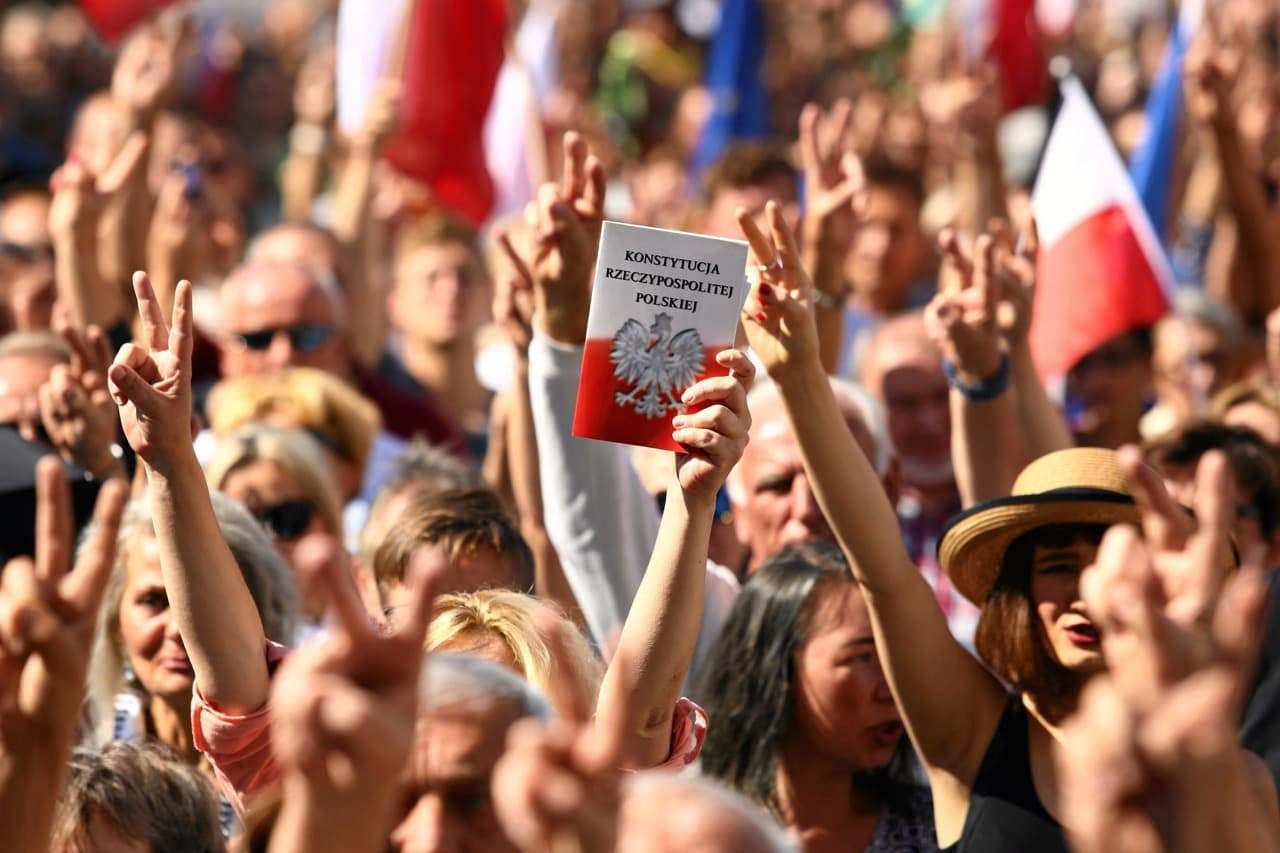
[{"x": 302, "y": 552}]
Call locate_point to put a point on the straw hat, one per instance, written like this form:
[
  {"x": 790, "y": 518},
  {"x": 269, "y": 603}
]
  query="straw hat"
[{"x": 1082, "y": 485}]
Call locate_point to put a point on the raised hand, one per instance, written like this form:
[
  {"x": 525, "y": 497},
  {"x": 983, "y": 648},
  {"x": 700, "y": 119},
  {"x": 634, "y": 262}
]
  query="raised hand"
[
  {"x": 962, "y": 317},
  {"x": 77, "y": 410},
  {"x": 778, "y": 317},
  {"x": 1015, "y": 264},
  {"x": 513, "y": 296},
  {"x": 145, "y": 73},
  {"x": 315, "y": 95},
  {"x": 79, "y": 196},
  {"x": 151, "y": 380},
  {"x": 714, "y": 430},
  {"x": 343, "y": 714},
  {"x": 48, "y": 611},
  {"x": 566, "y": 222},
  {"x": 557, "y": 785},
  {"x": 833, "y": 175},
  {"x": 383, "y": 111}
]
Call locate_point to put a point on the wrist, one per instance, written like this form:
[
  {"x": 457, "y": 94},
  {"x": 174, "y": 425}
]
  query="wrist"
[
  {"x": 563, "y": 325},
  {"x": 981, "y": 387},
  {"x": 308, "y": 139}
]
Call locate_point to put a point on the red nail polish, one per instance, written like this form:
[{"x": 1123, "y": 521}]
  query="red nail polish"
[
  {"x": 766, "y": 289},
  {"x": 760, "y": 318}
]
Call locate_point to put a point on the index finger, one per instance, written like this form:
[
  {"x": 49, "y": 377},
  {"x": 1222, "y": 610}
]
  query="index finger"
[
  {"x": 1164, "y": 523},
  {"x": 53, "y": 520},
  {"x": 761, "y": 246},
  {"x": 521, "y": 268},
  {"x": 83, "y": 588},
  {"x": 181, "y": 340},
  {"x": 423, "y": 583},
  {"x": 575, "y": 161},
  {"x": 80, "y": 357},
  {"x": 783, "y": 239},
  {"x": 564, "y": 694},
  {"x": 155, "y": 331}
]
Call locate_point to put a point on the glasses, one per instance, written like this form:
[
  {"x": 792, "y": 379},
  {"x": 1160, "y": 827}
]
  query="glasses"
[
  {"x": 307, "y": 337},
  {"x": 288, "y": 520},
  {"x": 24, "y": 253}
]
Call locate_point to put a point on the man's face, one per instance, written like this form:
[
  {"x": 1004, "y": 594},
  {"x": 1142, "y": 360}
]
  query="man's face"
[
  {"x": 889, "y": 248},
  {"x": 1112, "y": 384},
  {"x": 775, "y": 506},
  {"x": 276, "y": 317},
  {"x": 442, "y": 294},
  {"x": 448, "y": 805},
  {"x": 26, "y": 261},
  {"x": 907, "y": 376},
  {"x": 459, "y": 574},
  {"x": 21, "y": 375},
  {"x": 721, "y": 219},
  {"x": 1190, "y": 357}
]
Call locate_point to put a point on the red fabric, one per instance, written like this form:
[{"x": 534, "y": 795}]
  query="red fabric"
[
  {"x": 408, "y": 415},
  {"x": 598, "y": 415},
  {"x": 1092, "y": 284},
  {"x": 114, "y": 18},
  {"x": 453, "y": 54},
  {"x": 1015, "y": 48}
]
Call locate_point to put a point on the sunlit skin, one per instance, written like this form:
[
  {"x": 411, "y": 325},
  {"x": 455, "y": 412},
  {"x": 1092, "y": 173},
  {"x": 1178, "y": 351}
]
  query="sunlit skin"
[
  {"x": 21, "y": 375},
  {"x": 470, "y": 572},
  {"x": 263, "y": 484},
  {"x": 721, "y": 215},
  {"x": 149, "y": 630},
  {"x": 1055, "y": 591},
  {"x": 277, "y": 296},
  {"x": 447, "y": 805},
  {"x": 441, "y": 294},
  {"x": 27, "y": 284},
  {"x": 841, "y": 700},
  {"x": 889, "y": 251}
]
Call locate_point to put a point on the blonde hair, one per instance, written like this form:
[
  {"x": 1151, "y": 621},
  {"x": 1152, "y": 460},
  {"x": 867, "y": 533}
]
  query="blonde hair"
[
  {"x": 293, "y": 450},
  {"x": 513, "y": 618},
  {"x": 341, "y": 418},
  {"x": 1260, "y": 392},
  {"x": 268, "y": 577}
]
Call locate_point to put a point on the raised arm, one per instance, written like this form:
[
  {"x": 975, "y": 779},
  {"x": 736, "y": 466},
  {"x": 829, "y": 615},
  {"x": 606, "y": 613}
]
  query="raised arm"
[
  {"x": 833, "y": 179},
  {"x": 314, "y": 102},
  {"x": 949, "y": 703},
  {"x": 47, "y": 615},
  {"x": 644, "y": 679},
  {"x": 986, "y": 448},
  {"x": 151, "y": 383}
]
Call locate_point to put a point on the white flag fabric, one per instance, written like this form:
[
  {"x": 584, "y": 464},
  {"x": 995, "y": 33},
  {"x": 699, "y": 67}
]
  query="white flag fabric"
[{"x": 367, "y": 31}]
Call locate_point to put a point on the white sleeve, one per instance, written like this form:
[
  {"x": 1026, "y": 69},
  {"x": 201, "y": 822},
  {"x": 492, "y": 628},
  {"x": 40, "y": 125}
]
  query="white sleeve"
[{"x": 598, "y": 515}]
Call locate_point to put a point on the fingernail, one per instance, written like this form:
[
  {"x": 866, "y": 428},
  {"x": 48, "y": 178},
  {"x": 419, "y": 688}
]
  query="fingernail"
[
  {"x": 678, "y": 422},
  {"x": 766, "y": 289},
  {"x": 760, "y": 318}
]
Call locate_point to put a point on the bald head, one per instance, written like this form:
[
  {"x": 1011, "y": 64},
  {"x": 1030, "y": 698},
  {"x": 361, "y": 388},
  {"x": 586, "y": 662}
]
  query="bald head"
[
  {"x": 279, "y": 314},
  {"x": 662, "y": 812},
  {"x": 903, "y": 367}
]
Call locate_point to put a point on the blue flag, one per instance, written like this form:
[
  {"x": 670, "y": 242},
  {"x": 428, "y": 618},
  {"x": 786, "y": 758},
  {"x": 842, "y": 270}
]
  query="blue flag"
[
  {"x": 740, "y": 109},
  {"x": 1151, "y": 166}
]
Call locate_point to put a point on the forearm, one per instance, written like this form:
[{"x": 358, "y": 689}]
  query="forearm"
[
  {"x": 823, "y": 258},
  {"x": 353, "y": 225},
  {"x": 319, "y": 824},
  {"x": 1041, "y": 424},
  {"x": 1254, "y": 224},
  {"x": 658, "y": 638},
  {"x": 123, "y": 230},
  {"x": 79, "y": 284},
  {"x": 301, "y": 178},
  {"x": 31, "y": 781},
  {"x": 985, "y": 447},
  {"x": 216, "y": 615}
]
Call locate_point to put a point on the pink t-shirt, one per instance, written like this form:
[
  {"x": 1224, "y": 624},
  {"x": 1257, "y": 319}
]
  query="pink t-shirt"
[{"x": 239, "y": 745}]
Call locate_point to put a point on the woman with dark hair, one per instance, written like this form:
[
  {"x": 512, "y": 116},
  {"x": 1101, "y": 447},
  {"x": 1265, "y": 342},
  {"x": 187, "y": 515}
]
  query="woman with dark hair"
[
  {"x": 805, "y": 724},
  {"x": 991, "y": 754}
]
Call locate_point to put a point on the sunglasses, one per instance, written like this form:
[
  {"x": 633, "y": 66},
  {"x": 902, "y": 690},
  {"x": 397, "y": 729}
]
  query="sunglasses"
[
  {"x": 307, "y": 337},
  {"x": 24, "y": 253},
  {"x": 288, "y": 520}
]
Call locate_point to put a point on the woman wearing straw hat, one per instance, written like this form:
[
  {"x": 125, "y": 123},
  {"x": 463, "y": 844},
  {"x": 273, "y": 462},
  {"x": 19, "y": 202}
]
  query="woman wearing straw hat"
[{"x": 989, "y": 752}]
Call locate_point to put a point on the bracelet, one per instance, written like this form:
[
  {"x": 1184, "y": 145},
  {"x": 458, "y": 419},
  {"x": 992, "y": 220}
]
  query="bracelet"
[
  {"x": 987, "y": 389},
  {"x": 307, "y": 139},
  {"x": 824, "y": 300}
]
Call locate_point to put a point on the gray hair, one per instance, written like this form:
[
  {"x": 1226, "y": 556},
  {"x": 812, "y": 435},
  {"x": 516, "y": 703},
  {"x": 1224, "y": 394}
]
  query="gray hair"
[
  {"x": 268, "y": 577},
  {"x": 1199, "y": 307},
  {"x": 450, "y": 678},
  {"x": 772, "y": 837},
  {"x": 322, "y": 279},
  {"x": 35, "y": 342}
]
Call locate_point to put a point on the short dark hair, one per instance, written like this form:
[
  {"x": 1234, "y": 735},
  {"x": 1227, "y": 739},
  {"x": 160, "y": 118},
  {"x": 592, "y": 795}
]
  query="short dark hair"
[
  {"x": 1254, "y": 464},
  {"x": 747, "y": 680},
  {"x": 882, "y": 171},
  {"x": 745, "y": 164},
  {"x": 1010, "y": 637},
  {"x": 462, "y": 523},
  {"x": 437, "y": 229}
]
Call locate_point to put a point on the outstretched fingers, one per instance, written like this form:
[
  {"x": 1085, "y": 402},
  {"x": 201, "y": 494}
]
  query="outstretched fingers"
[
  {"x": 181, "y": 334},
  {"x": 155, "y": 331},
  {"x": 53, "y": 520},
  {"x": 84, "y": 587}
]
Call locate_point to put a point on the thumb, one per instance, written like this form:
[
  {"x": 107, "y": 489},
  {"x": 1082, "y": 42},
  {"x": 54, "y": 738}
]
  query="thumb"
[{"x": 127, "y": 386}]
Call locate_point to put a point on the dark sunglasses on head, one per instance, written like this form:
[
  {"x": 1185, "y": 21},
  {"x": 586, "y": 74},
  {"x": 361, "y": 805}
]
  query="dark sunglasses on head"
[
  {"x": 306, "y": 337},
  {"x": 288, "y": 520},
  {"x": 24, "y": 253}
]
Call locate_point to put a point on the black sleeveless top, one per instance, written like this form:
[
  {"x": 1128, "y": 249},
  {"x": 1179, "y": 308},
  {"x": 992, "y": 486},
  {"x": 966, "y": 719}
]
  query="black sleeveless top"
[{"x": 1005, "y": 813}]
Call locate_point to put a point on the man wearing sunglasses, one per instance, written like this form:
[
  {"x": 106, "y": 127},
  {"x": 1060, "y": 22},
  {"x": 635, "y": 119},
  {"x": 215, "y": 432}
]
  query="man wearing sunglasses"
[
  {"x": 280, "y": 314},
  {"x": 26, "y": 261}
]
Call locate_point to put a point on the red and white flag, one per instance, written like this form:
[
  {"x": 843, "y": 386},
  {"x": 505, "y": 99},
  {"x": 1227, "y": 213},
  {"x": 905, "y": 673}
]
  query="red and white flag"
[
  {"x": 1101, "y": 270},
  {"x": 663, "y": 305}
]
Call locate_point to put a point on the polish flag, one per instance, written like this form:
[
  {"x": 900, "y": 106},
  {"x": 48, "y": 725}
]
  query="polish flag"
[
  {"x": 1100, "y": 271},
  {"x": 114, "y": 18}
]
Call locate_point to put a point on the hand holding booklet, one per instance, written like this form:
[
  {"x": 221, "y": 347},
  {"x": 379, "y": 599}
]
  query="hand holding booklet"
[{"x": 663, "y": 304}]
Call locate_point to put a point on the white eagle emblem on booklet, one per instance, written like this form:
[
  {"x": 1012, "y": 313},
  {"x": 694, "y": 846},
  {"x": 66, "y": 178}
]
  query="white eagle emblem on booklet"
[{"x": 656, "y": 364}]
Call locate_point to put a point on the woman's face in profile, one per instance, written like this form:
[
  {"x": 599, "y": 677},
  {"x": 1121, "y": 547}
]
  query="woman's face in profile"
[
  {"x": 148, "y": 630},
  {"x": 1055, "y": 590},
  {"x": 841, "y": 701}
]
